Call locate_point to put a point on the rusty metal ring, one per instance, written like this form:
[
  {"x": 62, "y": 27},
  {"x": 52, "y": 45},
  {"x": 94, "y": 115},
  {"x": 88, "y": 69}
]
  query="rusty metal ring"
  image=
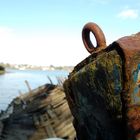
[{"x": 99, "y": 36}]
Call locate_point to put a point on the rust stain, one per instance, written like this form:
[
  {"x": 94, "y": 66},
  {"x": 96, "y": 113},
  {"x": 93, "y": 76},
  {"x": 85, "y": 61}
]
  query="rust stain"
[
  {"x": 138, "y": 83},
  {"x": 130, "y": 47},
  {"x": 134, "y": 116}
]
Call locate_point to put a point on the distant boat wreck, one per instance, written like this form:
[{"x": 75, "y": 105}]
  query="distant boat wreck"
[{"x": 39, "y": 114}]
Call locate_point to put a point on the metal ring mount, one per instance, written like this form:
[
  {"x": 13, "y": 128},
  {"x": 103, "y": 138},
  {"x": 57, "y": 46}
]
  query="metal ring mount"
[{"x": 99, "y": 36}]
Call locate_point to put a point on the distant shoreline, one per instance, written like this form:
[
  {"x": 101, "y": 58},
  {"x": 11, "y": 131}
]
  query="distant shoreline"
[{"x": 33, "y": 67}]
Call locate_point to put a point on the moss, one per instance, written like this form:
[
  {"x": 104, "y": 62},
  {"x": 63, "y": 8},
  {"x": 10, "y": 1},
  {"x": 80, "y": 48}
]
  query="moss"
[{"x": 102, "y": 78}]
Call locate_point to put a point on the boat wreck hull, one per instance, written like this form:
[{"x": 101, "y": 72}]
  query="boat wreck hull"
[{"x": 39, "y": 114}]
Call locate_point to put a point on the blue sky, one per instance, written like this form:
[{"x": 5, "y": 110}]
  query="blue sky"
[{"x": 48, "y": 32}]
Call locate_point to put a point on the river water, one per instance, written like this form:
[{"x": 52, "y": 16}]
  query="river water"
[{"x": 13, "y": 82}]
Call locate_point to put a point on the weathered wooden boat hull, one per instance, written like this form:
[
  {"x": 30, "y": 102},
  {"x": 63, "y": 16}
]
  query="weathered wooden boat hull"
[{"x": 42, "y": 113}]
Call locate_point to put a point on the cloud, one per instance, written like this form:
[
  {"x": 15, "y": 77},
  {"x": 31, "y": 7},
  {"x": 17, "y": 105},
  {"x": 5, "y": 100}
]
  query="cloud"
[
  {"x": 5, "y": 32},
  {"x": 128, "y": 14},
  {"x": 41, "y": 48}
]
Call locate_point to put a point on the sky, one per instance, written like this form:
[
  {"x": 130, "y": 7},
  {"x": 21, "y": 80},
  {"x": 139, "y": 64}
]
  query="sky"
[{"x": 48, "y": 32}]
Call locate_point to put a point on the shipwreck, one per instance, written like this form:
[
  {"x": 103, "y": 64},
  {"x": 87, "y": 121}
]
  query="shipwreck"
[{"x": 39, "y": 114}]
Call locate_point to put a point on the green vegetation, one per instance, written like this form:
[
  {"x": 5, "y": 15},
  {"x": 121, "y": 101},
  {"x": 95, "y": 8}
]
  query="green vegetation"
[{"x": 2, "y": 70}]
